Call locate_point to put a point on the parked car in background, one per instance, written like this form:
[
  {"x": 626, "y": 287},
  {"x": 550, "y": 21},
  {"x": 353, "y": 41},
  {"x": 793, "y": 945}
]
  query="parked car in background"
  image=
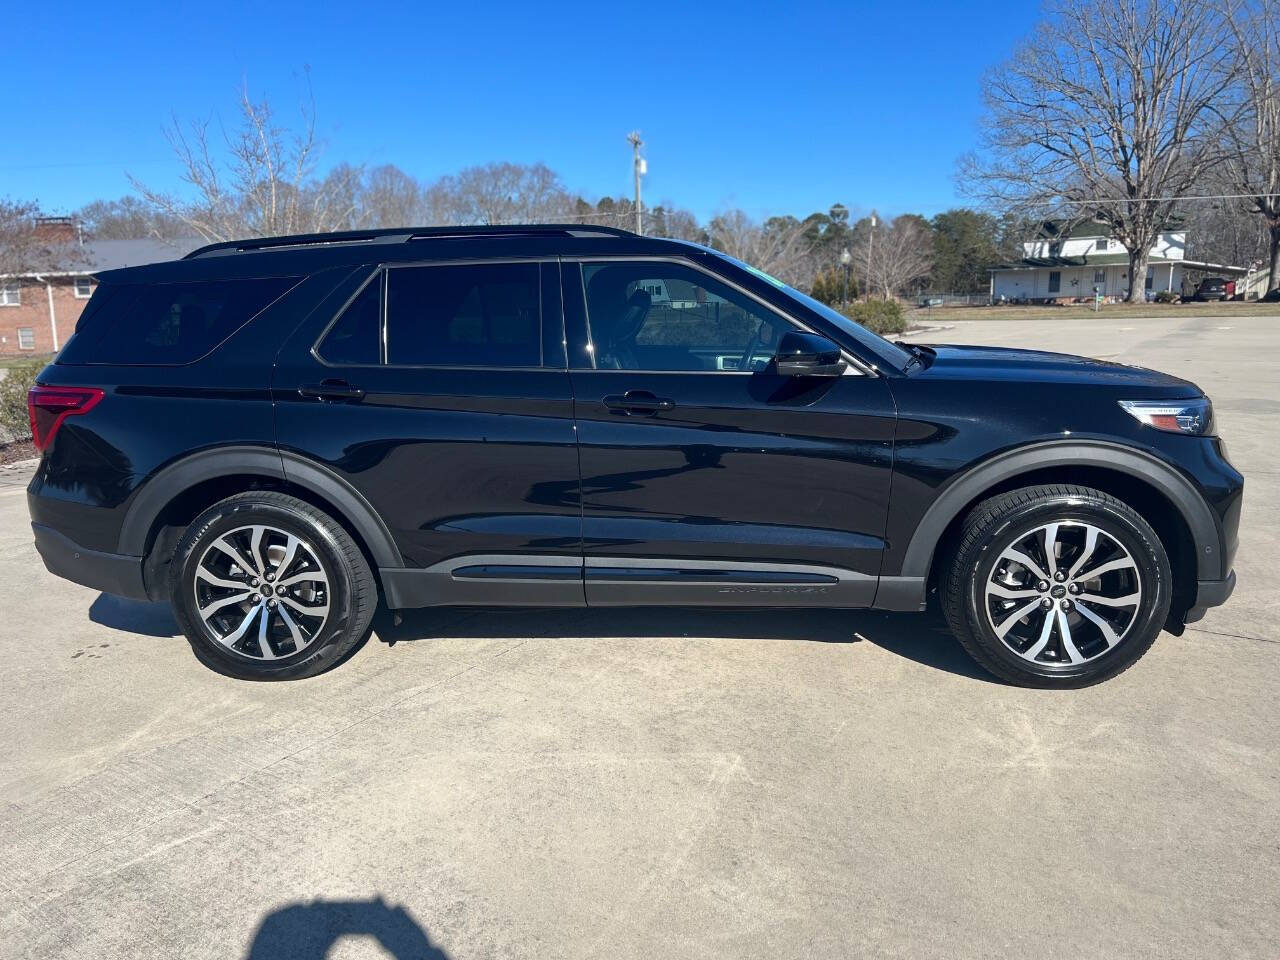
[
  {"x": 276, "y": 436},
  {"x": 1212, "y": 288}
]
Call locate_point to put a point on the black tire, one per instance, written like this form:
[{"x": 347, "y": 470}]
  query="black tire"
[
  {"x": 1004, "y": 521},
  {"x": 349, "y": 589}
]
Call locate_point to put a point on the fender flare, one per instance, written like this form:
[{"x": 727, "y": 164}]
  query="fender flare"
[
  {"x": 1200, "y": 520},
  {"x": 158, "y": 491}
]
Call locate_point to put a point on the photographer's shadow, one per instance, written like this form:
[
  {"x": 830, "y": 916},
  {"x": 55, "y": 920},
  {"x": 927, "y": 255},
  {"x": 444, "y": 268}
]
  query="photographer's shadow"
[{"x": 307, "y": 931}]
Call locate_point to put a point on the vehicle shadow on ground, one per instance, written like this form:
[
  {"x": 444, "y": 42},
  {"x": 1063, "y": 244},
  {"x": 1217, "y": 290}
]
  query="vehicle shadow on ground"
[
  {"x": 921, "y": 638},
  {"x": 307, "y": 931}
]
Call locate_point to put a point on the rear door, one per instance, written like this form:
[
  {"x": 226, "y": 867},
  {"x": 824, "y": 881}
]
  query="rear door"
[
  {"x": 706, "y": 476},
  {"x": 440, "y": 393}
]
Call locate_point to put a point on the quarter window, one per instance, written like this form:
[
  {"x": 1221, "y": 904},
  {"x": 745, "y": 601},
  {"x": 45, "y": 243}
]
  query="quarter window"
[
  {"x": 473, "y": 315},
  {"x": 667, "y": 316},
  {"x": 356, "y": 337},
  {"x": 10, "y": 295}
]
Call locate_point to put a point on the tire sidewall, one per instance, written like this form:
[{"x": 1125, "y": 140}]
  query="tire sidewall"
[
  {"x": 221, "y": 518},
  {"x": 1129, "y": 529}
]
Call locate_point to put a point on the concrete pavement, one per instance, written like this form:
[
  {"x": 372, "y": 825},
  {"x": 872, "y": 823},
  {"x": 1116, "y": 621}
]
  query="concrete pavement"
[{"x": 692, "y": 784}]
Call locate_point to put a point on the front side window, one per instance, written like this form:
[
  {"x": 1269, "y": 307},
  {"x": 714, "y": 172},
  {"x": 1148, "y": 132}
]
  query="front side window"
[
  {"x": 26, "y": 338},
  {"x": 10, "y": 295},
  {"x": 667, "y": 316},
  {"x": 470, "y": 315}
]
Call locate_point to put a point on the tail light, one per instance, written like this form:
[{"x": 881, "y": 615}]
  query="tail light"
[{"x": 49, "y": 406}]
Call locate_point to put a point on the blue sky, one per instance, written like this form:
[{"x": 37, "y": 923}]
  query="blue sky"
[{"x": 781, "y": 108}]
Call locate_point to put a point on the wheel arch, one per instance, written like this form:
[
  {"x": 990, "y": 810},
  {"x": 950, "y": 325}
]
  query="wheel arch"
[
  {"x": 1167, "y": 500},
  {"x": 180, "y": 491}
]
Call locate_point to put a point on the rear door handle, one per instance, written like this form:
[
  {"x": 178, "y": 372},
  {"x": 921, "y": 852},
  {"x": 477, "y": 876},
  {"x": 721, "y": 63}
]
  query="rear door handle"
[
  {"x": 639, "y": 402},
  {"x": 331, "y": 390}
]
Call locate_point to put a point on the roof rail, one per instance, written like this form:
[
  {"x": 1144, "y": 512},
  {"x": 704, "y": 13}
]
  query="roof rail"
[{"x": 401, "y": 235}]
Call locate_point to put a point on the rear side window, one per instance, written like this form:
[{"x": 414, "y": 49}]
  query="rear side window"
[
  {"x": 167, "y": 323},
  {"x": 472, "y": 315},
  {"x": 356, "y": 336}
]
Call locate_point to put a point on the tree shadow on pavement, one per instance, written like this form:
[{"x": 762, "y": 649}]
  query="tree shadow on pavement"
[
  {"x": 922, "y": 638},
  {"x": 307, "y": 931}
]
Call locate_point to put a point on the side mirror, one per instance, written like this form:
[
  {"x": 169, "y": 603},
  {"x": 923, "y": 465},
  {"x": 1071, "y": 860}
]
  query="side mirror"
[{"x": 807, "y": 355}]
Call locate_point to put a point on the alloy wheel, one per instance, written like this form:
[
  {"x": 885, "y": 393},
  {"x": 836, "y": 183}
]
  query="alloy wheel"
[
  {"x": 1064, "y": 593},
  {"x": 262, "y": 592}
]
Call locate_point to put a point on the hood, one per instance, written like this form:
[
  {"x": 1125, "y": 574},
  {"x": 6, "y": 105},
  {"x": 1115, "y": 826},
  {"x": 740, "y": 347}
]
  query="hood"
[{"x": 957, "y": 362}]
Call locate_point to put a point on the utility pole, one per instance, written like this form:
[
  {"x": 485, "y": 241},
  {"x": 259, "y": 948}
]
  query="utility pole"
[
  {"x": 871, "y": 239},
  {"x": 641, "y": 168}
]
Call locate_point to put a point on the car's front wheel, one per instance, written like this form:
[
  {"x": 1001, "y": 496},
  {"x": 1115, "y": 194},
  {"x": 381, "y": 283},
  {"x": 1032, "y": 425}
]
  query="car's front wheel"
[
  {"x": 1057, "y": 586},
  {"x": 267, "y": 587}
]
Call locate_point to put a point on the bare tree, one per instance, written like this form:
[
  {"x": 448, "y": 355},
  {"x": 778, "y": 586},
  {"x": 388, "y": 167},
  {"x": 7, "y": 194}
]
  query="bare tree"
[
  {"x": 1112, "y": 108},
  {"x": 1253, "y": 142},
  {"x": 259, "y": 182},
  {"x": 898, "y": 254},
  {"x": 499, "y": 193},
  {"x": 778, "y": 246},
  {"x": 29, "y": 246}
]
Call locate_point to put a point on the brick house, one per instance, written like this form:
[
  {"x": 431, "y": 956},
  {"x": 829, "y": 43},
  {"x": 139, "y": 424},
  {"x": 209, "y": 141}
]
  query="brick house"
[{"x": 39, "y": 310}]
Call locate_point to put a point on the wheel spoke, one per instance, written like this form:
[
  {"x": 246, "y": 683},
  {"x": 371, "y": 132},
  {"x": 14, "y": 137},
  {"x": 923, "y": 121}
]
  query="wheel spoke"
[
  {"x": 264, "y": 644},
  {"x": 298, "y": 641},
  {"x": 1090, "y": 544},
  {"x": 320, "y": 610},
  {"x": 290, "y": 550},
  {"x": 207, "y": 611},
  {"x": 314, "y": 576},
  {"x": 1009, "y": 593},
  {"x": 217, "y": 581},
  {"x": 234, "y": 636},
  {"x": 1046, "y": 631},
  {"x": 1129, "y": 600},
  {"x": 1123, "y": 563},
  {"x": 1050, "y": 548},
  {"x": 1019, "y": 557},
  {"x": 255, "y": 550},
  {"x": 1107, "y": 631},
  {"x": 1007, "y": 624},
  {"x": 241, "y": 561},
  {"x": 1068, "y": 645}
]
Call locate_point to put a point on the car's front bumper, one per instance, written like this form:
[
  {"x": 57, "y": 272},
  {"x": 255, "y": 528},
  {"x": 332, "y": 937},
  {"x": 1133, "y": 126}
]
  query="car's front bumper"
[
  {"x": 1210, "y": 593},
  {"x": 109, "y": 572}
]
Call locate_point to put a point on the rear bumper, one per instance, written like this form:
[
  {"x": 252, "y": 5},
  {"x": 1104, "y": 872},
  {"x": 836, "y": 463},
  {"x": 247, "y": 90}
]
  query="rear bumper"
[
  {"x": 1210, "y": 593},
  {"x": 109, "y": 572}
]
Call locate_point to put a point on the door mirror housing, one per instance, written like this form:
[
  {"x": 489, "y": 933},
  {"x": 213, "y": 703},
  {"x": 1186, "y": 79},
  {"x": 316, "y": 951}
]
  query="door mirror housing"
[{"x": 808, "y": 355}]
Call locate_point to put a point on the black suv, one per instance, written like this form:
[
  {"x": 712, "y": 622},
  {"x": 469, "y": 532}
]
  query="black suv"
[{"x": 276, "y": 435}]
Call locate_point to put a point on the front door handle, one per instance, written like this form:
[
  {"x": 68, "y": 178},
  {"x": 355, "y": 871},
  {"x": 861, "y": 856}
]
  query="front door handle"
[
  {"x": 331, "y": 390},
  {"x": 638, "y": 402}
]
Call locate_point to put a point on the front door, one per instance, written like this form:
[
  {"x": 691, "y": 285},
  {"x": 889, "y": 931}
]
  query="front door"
[
  {"x": 440, "y": 394},
  {"x": 706, "y": 477}
]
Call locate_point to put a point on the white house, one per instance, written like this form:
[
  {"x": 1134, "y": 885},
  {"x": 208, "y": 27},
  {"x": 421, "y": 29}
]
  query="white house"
[{"x": 1076, "y": 261}]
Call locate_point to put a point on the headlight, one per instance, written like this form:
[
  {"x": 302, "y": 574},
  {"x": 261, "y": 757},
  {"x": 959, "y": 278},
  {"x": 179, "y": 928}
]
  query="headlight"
[{"x": 1174, "y": 416}]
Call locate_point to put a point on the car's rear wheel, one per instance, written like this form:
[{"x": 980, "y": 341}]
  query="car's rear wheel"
[
  {"x": 267, "y": 587},
  {"x": 1057, "y": 586}
]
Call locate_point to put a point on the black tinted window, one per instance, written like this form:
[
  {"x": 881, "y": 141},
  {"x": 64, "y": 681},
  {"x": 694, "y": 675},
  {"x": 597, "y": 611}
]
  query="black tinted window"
[
  {"x": 476, "y": 315},
  {"x": 167, "y": 323},
  {"x": 666, "y": 316},
  {"x": 355, "y": 337}
]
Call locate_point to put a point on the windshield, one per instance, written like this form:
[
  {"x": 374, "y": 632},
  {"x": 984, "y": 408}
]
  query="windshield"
[{"x": 877, "y": 344}]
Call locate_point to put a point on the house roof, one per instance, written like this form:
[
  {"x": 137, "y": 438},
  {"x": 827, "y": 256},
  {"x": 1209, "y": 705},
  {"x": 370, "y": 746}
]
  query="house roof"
[
  {"x": 98, "y": 256},
  {"x": 1075, "y": 229}
]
